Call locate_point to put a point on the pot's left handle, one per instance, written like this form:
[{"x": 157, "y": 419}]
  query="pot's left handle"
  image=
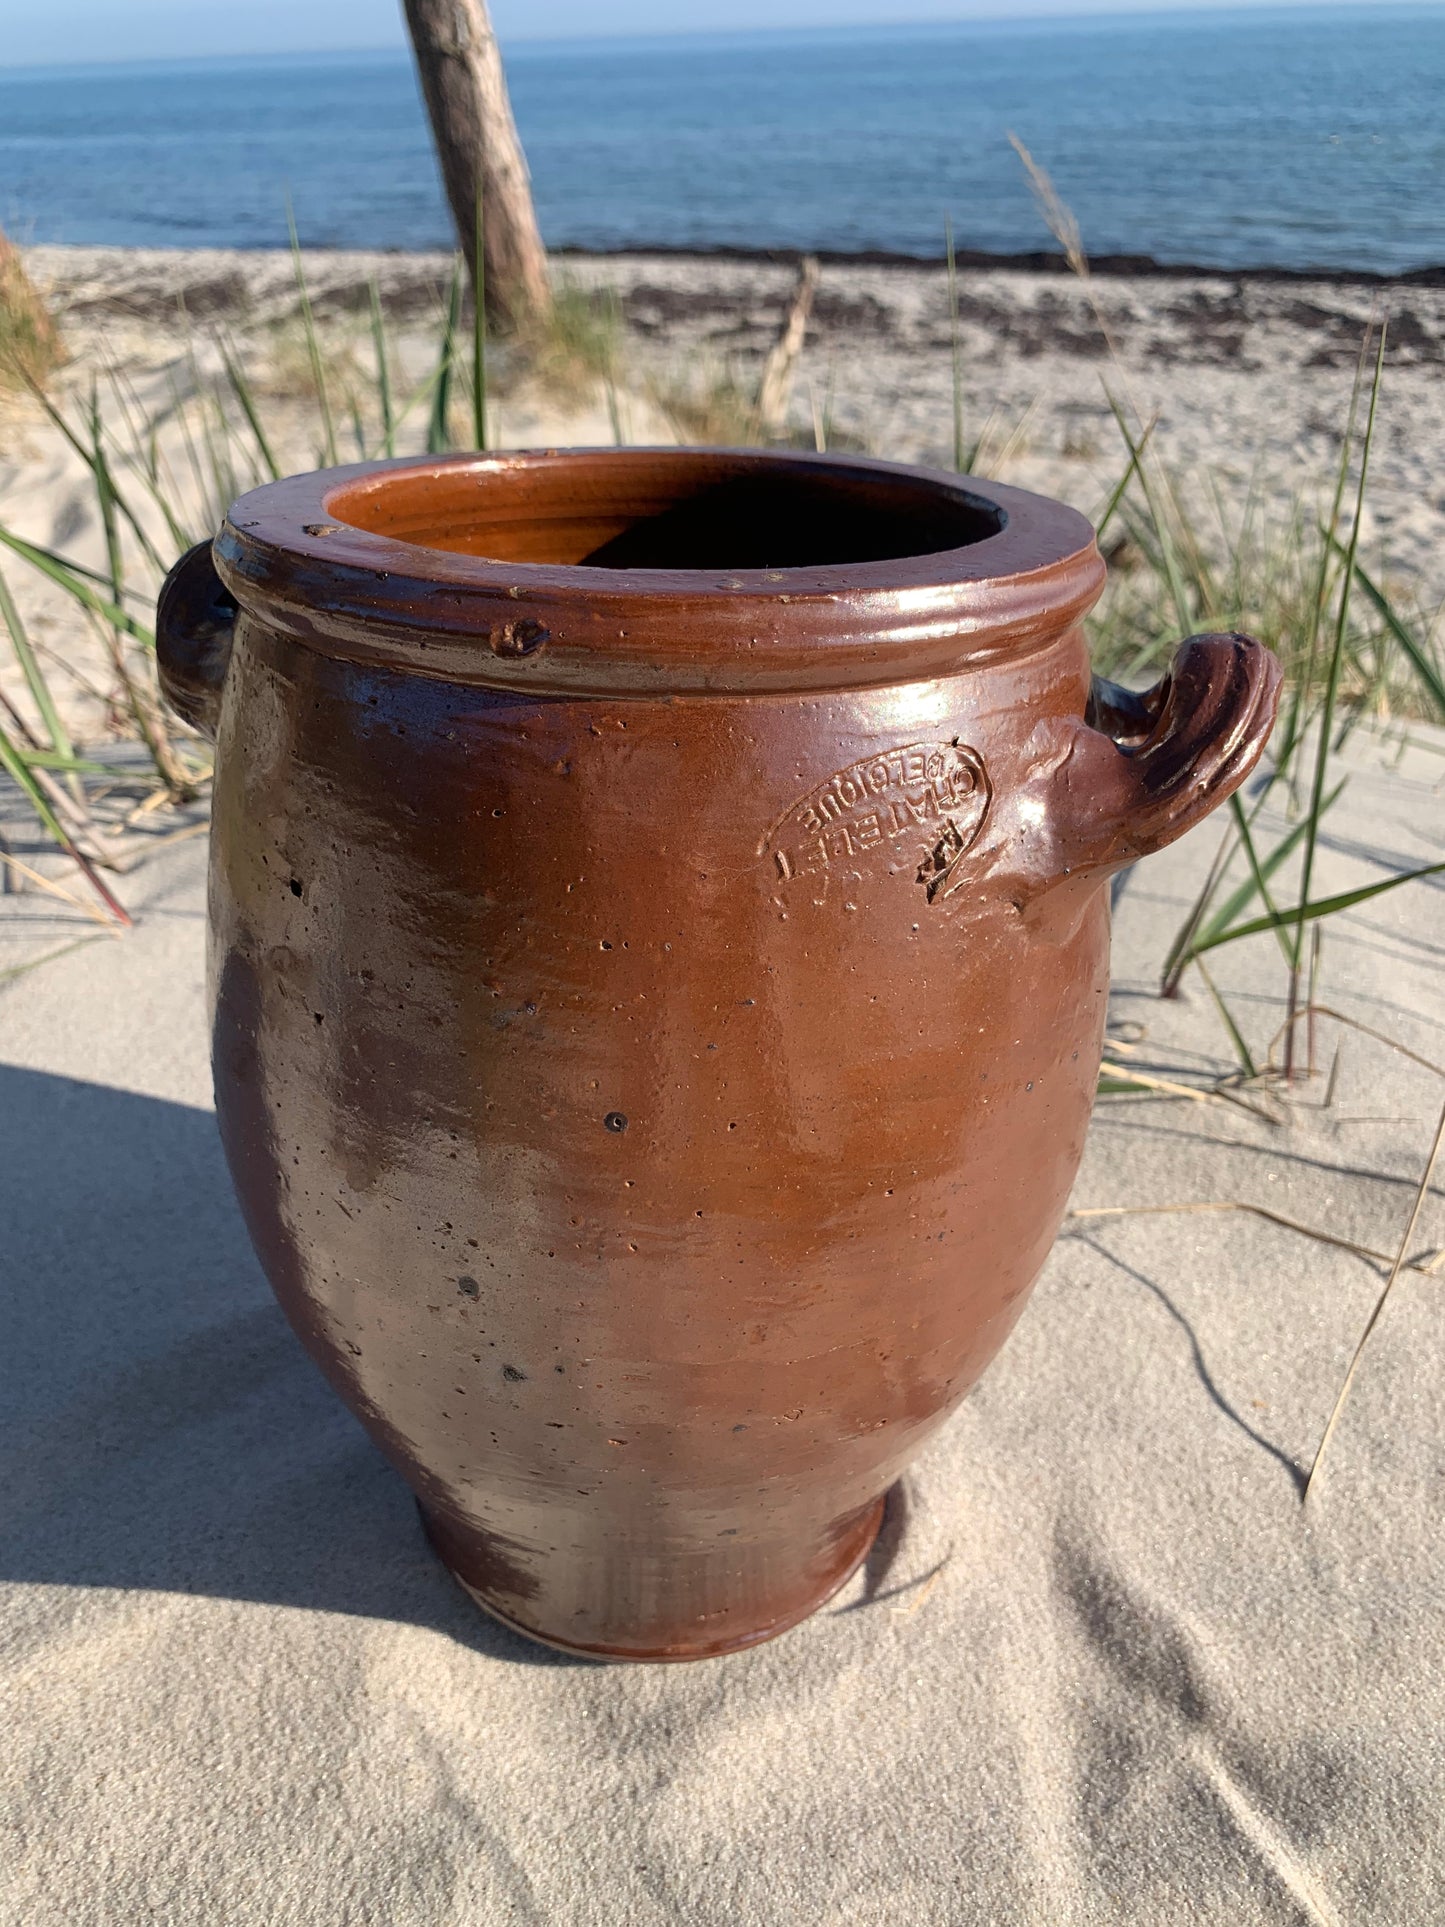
[
  {"x": 1143, "y": 769},
  {"x": 195, "y": 624}
]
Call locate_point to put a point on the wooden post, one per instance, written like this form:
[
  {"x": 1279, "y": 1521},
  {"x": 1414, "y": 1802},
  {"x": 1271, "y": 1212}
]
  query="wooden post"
[
  {"x": 460, "y": 68},
  {"x": 777, "y": 381}
]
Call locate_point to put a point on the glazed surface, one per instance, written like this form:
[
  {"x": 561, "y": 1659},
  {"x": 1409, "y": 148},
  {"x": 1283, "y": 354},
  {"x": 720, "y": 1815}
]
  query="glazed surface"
[
  {"x": 650, "y": 1173},
  {"x": 657, "y": 1003}
]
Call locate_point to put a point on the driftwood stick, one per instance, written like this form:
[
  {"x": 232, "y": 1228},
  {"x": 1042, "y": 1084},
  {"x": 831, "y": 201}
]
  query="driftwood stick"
[
  {"x": 777, "y": 382},
  {"x": 460, "y": 68}
]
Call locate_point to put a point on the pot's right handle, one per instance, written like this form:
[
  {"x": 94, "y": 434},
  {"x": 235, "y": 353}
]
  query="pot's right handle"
[
  {"x": 195, "y": 624},
  {"x": 1143, "y": 769}
]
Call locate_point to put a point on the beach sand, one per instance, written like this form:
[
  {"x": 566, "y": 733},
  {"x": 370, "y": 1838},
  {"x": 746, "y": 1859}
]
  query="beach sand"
[{"x": 1250, "y": 381}]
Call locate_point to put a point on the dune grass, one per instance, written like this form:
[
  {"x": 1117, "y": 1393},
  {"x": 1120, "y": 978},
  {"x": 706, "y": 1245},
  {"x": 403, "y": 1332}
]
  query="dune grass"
[
  {"x": 1351, "y": 651},
  {"x": 1347, "y": 657},
  {"x": 30, "y": 346},
  {"x": 1299, "y": 590}
]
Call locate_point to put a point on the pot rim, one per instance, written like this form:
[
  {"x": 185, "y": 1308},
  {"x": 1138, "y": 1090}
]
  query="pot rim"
[{"x": 291, "y": 561}]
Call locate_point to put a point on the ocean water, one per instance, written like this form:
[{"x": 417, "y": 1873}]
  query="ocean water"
[{"x": 1295, "y": 138}]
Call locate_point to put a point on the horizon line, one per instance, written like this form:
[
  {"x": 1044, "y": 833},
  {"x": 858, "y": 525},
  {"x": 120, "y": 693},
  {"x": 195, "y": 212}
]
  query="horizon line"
[{"x": 1002, "y": 18}]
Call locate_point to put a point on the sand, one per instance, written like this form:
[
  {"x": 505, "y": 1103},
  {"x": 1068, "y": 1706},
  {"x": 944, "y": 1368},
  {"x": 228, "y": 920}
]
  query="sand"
[
  {"x": 1102, "y": 1669},
  {"x": 1249, "y": 380}
]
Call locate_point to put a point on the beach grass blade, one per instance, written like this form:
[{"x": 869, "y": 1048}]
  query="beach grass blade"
[
  {"x": 1121, "y": 487},
  {"x": 1332, "y": 685},
  {"x": 50, "y": 956},
  {"x": 438, "y": 434},
  {"x": 139, "y": 697},
  {"x": 1303, "y": 693},
  {"x": 1413, "y": 647},
  {"x": 1199, "y": 935},
  {"x": 1303, "y": 913},
  {"x": 609, "y": 373},
  {"x": 383, "y": 371},
  {"x": 1178, "y": 956},
  {"x": 37, "y": 551},
  {"x": 1236, "y": 1036},
  {"x": 34, "y": 675},
  {"x": 91, "y": 456},
  {"x": 150, "y": 470},
  {"x": 52, "y": 760},
  {"x": 1058, "y": 216},
  {"x": 1395, "y": 1269},
  {"x": 955, "y": 345},
  {"x": 245, "y": 395},
  {"x": 313, "y": 343},
  {"x": 1173, "y": 573},
  {"x": 106, "y": 500},
  {"x": 1259, "y": 882},
  {"x": 77, "y": 587},
  {"x": 479, "y": 328},
  {"x": 15, "y": 765}
]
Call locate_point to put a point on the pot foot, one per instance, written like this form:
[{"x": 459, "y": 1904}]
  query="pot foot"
[{"x": 854, "y": 1551}]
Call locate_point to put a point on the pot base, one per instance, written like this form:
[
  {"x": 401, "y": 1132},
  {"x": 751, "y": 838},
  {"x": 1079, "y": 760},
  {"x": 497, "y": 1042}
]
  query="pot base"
[{"x": 855, "y": 1550}]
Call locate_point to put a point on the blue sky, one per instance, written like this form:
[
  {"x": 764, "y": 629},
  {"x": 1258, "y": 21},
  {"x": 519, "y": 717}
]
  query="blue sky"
[{"x": 40, "y": 31}]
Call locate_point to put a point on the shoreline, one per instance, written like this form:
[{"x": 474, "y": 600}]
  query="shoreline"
[
  {"x": 1031, "y": 261},
  {"x": 1041, "y": 261}
]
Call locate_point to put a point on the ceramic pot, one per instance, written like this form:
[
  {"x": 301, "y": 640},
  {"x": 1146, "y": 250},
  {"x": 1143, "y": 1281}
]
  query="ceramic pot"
[{"x": 660, "y": 951}]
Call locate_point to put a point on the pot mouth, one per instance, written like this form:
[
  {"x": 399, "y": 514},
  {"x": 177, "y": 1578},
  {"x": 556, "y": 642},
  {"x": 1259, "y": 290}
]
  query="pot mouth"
[
  {"x": 659, "y": 570},
  {"x": 670, "y": 514}
]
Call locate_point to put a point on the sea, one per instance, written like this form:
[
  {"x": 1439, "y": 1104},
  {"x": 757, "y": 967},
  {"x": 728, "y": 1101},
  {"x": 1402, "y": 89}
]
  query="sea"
[{"x": 1292, "y": 137}]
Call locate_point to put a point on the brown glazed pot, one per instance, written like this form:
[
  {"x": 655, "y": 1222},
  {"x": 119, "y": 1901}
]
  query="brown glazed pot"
[{"x": 660, "y": 949}]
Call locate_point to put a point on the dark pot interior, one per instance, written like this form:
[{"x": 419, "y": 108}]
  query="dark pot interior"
[{"x": 664, "y": 509}]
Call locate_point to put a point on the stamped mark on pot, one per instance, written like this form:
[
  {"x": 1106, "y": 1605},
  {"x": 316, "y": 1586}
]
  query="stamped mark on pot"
[{"x": 924, "y": 805}]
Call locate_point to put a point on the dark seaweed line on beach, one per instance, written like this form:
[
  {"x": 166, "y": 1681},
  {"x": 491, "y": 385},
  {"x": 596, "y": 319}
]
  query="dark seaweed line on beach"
[{"x": 1121, "y": 267}]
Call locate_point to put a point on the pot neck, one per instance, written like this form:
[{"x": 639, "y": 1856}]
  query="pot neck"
[{"x": 319, "y": 558}]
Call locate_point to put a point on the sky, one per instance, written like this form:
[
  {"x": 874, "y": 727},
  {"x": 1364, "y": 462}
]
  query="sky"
[{"x": 37, "y": 32}]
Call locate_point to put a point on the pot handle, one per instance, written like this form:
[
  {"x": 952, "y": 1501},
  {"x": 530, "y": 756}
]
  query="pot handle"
[
  {"x": 1145, "y": 768},
  {"x": 195, "y": 625}
]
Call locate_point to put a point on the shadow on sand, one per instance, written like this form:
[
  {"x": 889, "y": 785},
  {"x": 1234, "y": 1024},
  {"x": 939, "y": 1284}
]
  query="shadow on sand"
[{"x": 160, "y": 1427}]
